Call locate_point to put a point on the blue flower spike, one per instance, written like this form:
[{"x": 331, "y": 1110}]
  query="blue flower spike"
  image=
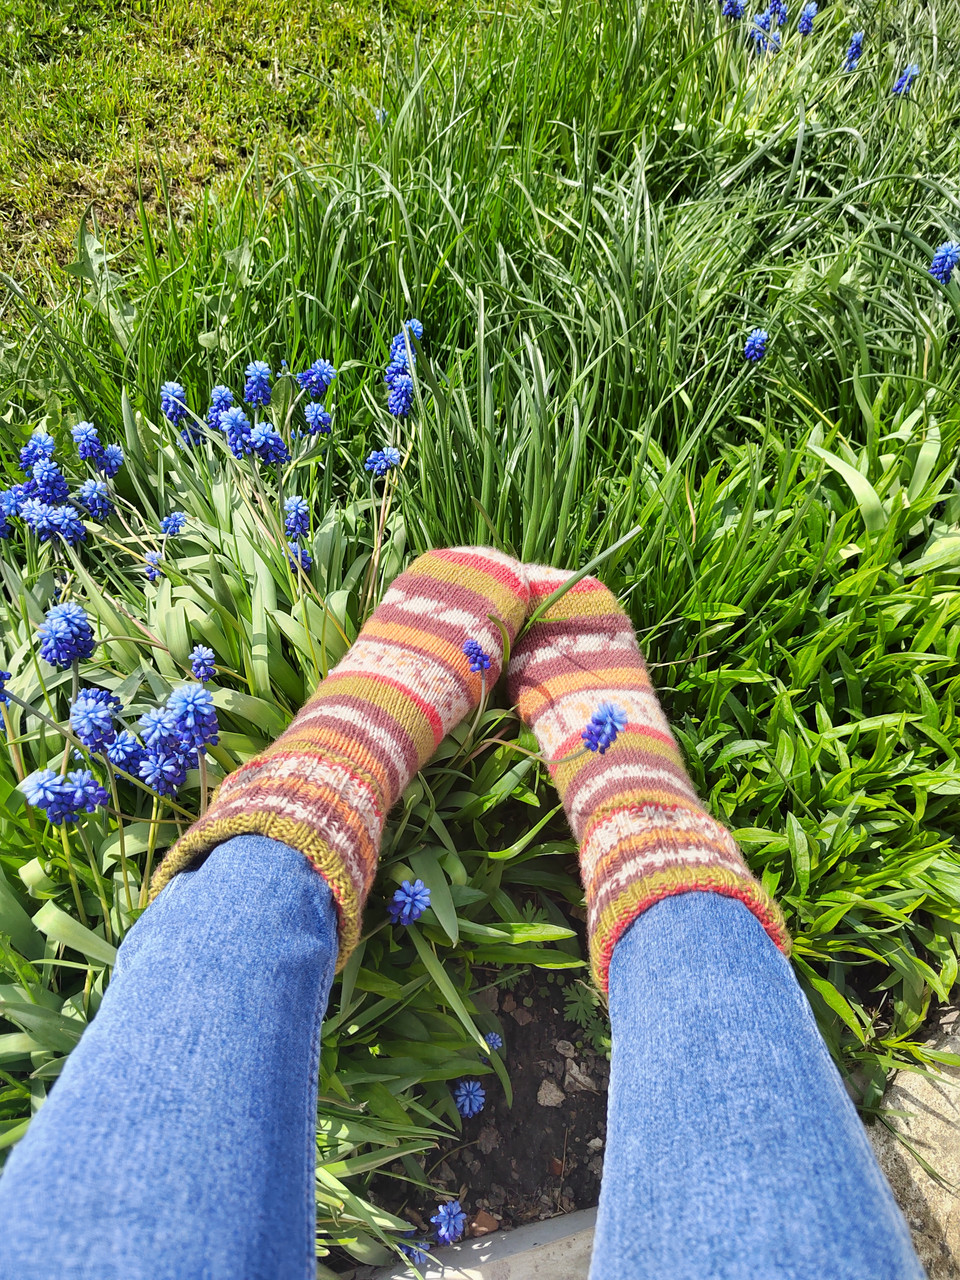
[
  {"x": 605, "y": 725},
  {"x": 173, "y": 402},
  {"x": 450, "y": 1221},
  {"x": 65, "y": 635},
  {"x": 907, "y": 77},
  {"x": 807, "y": 15},
  {"x": 755, "y": 348},
  {"x": 152, "y": 566},
  {"x": 945, "y": 260},
  {"x": 297, "y": 518},
  {"x": 202, "y": 663},
  {"x": 173, "y": 524},
  {"x": 479, "y": 661},
  {"x": 409, "y": 902},
  {"x": 854, "y": 52},
  {"x": 494, "y": 1040},
  {"x": 256, "y": 390},
  {"x": 469, "y": 1097},
  {"x": 382, "y": 461}
]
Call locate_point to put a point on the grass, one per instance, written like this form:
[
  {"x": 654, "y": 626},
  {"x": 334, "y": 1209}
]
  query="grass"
[
  {"x": 588, "y": 214},
  {"x": 103, "y": 105}
]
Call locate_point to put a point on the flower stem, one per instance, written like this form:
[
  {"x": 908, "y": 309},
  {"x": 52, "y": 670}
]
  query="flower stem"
[
  {"x": 111, "y": 776},
  {"x": 151, "y": 848},
  {"x": 101, "y": 892},
  {"x": 65, "y": 841}
]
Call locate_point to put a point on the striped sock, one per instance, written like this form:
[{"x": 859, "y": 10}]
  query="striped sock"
[
  {"x": 643, "y": 833},
  {"x": 326, "y": 785}
]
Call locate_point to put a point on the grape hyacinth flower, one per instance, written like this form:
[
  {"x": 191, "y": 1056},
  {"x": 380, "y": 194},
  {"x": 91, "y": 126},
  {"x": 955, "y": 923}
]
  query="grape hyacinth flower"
[
  {"x": 494, "y": 1040},
  {"x": 125, "y": 752},
  {"x": 191, "y": 707},
  {"x": 733, "y": 9},
  {"x": 164, "y": 771},
  {"x": 382, "y": 460},
  {"x": 778, "y": 12},
  {"x": 152, "y": 560},
  {"x": 382, "y": 115},
  {"x": 450, "y": 1221},
  {"x": 317, "y": 379},
  {"x": 299, "y": 557},
  {"x": 173, "y": 524},
  {"x": 400, "y": 399},
  {"x": 110, "y": 461},
  {"x": 51, "y": 486},
  {"x": 909, "y": 74},
  {"x": 88, "y": 442},
  {"x": 173, "y": 402},
  {"x": 236, "y": 427},
  {"x": 944, "y": 261},
  {"x": 807, "y": 15},
  {"x": 95, "y": 496},
  {"x": 318, "y": 420},
  {"x": 65, "y": 635},
  {"x": 39, "y": 446},
  {"x": 11, "y": 500},
  {"x": 479, "y": 661},
  {"x": 37, "y": 516},
  {"x": 6, "y": 531},
  {"x": 91, "y": 717},
  {"x": 755, "y": 347},
  {"x": 4, "y": 696},
  {"x": 159, "y": 730},
  {"x": 469, "y": 1097},
  {"x": 417, "y": 1251},
  {"x": 268, "y": 444},
  {"x": 606, "y": 723},
  {"x": 854, "y": 51},
  {"x": 221, "y": 399},
  {"x": 66, "y": 524},
  {"x": 256, "y": 390},
  {"x": 297, "y": 517},
  {"x": 202, "y": 662},
  {"x": 64, "y": 799},
  {"x": 409, "y": 902}
]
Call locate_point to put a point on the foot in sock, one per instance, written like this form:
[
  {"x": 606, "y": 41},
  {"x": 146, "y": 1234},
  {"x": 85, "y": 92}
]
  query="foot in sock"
[
  {"x": 643, "y": 834},
  {"x": 326, "y": 785}
]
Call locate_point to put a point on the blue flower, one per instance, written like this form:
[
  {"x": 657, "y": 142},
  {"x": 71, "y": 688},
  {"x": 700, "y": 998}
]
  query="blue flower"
[
  {"x": 89, "y": 445},
  {"x": 299, "y": 557},
  {"x": 51, "y": 486},
  {"x": 382, "y": 460},
  {"x": 4, "y": 696},
  {"x": 409, "y": 902},
  {"x": 91, "y": 717},
  {"x": 111, "y": 460},
  {"x": 318, "y": 420},
  {"x": 152, "y": 560},
  {"x": 416, "y": 1252},
  {"x": 174, "y": 523},
  {"x": 733, "y": 9},
  {"x": 317, "y": 379},
  {"x": 221, "y": 399},
  {"x": 236, "y": 427},
  {"x": 268, "y": 444},
  {"x": 809, "y": 12},
  {"x": 40, "y": 445},
  {"x": 854, "y": 51},
  {"x": 64, "y": 799},
  {"x": 382, "y": 115},
  {"x": 758, "y": 29},
  {"x": 944, "y": 261},
  {"x": 12, "y": 499},
  {"x": 298, "y": 517},
  {"x": 37, "y": 517},
  {"x": 469, "y": 1096},
  {"x": 125, "y": 752},
  {"x": 159, "y": 731},
  {"x": 907, "y": 78},
  {"x": 164, "y": 771},
  {"x": 400, "y": 399},
  {"x": 173, "y": 402},
  {"x": 195, "y": 716},
  {"x": 778, "y": 12},
  {"x": 66, "y": 524},
  {"x": 479, "y": 661},
  {"x": 6, "y": 531},
  {"x": 95, "y": 496},
  {"x": 450, "y": 1221},
  {"x": 494, "y": 1040},
  {"x": 202, "y": 662},
  {"x": 755, "y": 347},
  {"x": 65, "y": 635},
  {"x": 256, "y": 390},
  {"x": 605, "y": 724}
]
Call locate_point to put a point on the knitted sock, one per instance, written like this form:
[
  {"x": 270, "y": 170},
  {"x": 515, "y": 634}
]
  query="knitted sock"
[
  {"x": 643, "y": 833},
  {"x": 326, "y": 785}
]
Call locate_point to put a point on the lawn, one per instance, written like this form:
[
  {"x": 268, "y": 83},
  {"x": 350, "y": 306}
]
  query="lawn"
[{"x": 589, "y": 208}]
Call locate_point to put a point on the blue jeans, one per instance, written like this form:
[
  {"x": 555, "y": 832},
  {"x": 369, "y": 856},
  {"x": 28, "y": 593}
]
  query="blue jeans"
[{"x": 178, "y": 1143}]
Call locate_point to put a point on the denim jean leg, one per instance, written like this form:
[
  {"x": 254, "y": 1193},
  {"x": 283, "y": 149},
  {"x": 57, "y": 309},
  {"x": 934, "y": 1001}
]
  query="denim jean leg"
[
  {"x": 179, "y": 1141},
  {"x": 733, "y": 1149}
]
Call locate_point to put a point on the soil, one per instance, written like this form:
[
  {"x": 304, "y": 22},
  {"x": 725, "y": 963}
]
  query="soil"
[{"x": 544, "y": 1155}]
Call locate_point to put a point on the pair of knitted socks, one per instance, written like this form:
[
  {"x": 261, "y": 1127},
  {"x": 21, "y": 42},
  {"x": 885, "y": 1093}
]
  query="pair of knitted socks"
[{"x": 326, "y": 785}]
